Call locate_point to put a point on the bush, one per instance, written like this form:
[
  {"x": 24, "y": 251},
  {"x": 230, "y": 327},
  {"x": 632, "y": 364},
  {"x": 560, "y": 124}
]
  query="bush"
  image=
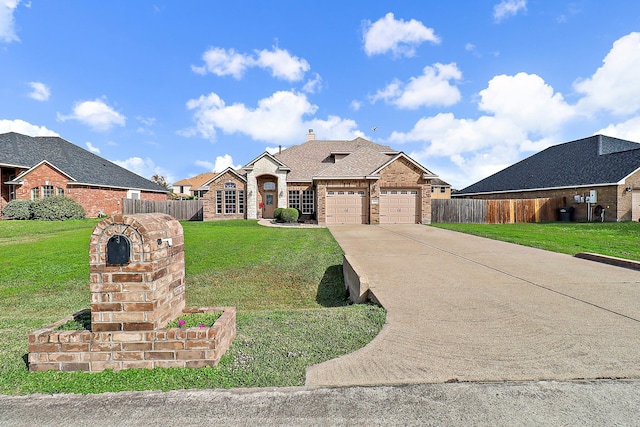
[
  {"x": 290, "y": 215},
  {"x": 57, "y": 208},
  {"x": 18, "y": 209},
  {"x": 277, "y": 214}
]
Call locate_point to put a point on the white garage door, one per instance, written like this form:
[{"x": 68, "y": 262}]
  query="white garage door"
[
  {"x": 399, "y": 206},
  {"x": 346, "y": 206}
]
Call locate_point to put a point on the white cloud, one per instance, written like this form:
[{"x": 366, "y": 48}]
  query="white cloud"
[
  {"x": 524, "y": 114},
  {"x": 282, "y": 64},
  {"x": 615, "y": 86},
  {"x": 629, "y": 130},
  {"x": 39, "y": 91},
  {"x": 278, "y": 118},
  {"x": 433, "y": 87},
  {"x": 228, "y": 62},
  {"x": 144, "y": 167},
  {"x": 92, "y": 148},
  {"x": 96, "y": 114},
  {"x": 205, "y": 164},
  {"x": 355, "y": 105},
  {"x": 507, "y": 8},
  {"x": 397, "y": 36},
  {"x": 25, "y": 128},
  {"x": 313, "y": 85},
  {"x": 223, "y": 162},
  {"x": 7, "y": 22},
  {"x": 526, "y": 101}
]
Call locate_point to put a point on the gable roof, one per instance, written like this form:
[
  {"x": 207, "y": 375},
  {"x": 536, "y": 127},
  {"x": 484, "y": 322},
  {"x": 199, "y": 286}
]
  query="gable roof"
[
  {"x": 86, "y": 168},
  {"x": 205, "y": 185},
  {"x": 314, "y": 158},
  {"x": 596, "y": 160},
  {"x": 196, "y": 181},
  {"x": 271, "y": 157}
]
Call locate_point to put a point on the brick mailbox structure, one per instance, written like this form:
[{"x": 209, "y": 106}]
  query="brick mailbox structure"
[{"x": 137, "y": 286}]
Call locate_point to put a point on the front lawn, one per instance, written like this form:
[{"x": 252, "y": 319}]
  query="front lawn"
[
  {"x": 618, "y": 239},
  {"x": 286, "y": 283}
]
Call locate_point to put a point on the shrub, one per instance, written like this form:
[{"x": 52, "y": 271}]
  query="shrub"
[
  {"x": 290, "y": 215},
  {"x": 57, "y": 208},
  {"x": 277, "y": 214},
  {"x": 18, "y": 209}
]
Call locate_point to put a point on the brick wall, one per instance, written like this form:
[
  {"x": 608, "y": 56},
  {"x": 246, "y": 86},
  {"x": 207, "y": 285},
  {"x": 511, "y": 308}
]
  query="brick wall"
[
  {"x": 404, "y": 174},
  {"x": 210, "y": 205},
  {"x": 92, "y": 199},
  {"x": 131, "y": 302}
]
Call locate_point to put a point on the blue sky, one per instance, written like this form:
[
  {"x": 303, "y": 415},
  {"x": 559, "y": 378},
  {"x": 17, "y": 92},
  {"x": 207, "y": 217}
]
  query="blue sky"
[{"x": 179, "y": 88}]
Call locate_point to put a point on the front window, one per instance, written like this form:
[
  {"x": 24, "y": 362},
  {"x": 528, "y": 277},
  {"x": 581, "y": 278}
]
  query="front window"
[
  {"x": 47, "y": 191},
  {"x": 133, "y": 194},
  {"x": 219, "y": 201},
  {"x": 230, "y": 201},
  {"x": 294, "y": 199},
  {"x": 443, "y": 189},
  {"x": 241, "y": 201},
  {"x": 307, "y": 202},
  {"x": 35, "y": 193},
  {"x": 59, "y": 191}
]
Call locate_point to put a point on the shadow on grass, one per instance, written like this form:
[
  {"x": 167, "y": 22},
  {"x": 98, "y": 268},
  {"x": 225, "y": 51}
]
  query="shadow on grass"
[{"x": 331, "y": 290}]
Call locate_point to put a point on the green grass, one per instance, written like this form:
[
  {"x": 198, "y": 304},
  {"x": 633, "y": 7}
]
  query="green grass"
[
  {"x": 614, "y": 239},
  {"x": 286, "y": 283}
]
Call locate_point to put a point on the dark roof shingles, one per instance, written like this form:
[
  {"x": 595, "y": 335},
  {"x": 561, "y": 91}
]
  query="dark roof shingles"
[
  {"x": 81, "y": 165},
  {"x": 594, "y": 160}
]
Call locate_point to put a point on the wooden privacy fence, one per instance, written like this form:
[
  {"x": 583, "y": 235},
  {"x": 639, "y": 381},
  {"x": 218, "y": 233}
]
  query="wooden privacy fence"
[
  {"x": 495, "y": 211},
  {"x": 185, "y": 210}
]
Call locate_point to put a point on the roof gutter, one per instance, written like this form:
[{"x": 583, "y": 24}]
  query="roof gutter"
[{"x": 458, "y": 194}]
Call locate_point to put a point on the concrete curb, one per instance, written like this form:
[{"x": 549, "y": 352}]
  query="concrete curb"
[{"x": 605, "y": 259}]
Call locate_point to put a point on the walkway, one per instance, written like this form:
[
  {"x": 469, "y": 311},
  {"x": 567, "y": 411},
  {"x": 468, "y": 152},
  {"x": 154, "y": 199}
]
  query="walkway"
[{"x": 464, "y": 308}]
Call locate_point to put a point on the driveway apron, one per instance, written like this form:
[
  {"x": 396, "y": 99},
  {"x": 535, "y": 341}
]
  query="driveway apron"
[{"x": 465, "y": 308}]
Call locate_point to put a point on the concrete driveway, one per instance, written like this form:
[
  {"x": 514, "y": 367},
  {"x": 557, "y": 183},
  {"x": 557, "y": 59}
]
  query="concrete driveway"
[{"x": 464, "y": 308}]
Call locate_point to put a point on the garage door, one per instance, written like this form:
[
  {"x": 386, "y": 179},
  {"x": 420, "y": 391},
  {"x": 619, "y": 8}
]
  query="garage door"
[
  {"x": 399, "y": 206},
  {"x": 346, "y": 207}
]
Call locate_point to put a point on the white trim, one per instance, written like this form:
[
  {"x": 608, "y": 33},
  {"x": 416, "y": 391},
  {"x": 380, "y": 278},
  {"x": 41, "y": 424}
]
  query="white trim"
[
  {"x": 426, "y": 172},
  {"x": 28, "y": 171},
  {"x": 281, "y": 165}
]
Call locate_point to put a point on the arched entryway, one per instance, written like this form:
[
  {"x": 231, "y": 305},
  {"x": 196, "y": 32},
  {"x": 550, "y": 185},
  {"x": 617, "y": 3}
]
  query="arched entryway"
[{"x": 267, "y": 195}]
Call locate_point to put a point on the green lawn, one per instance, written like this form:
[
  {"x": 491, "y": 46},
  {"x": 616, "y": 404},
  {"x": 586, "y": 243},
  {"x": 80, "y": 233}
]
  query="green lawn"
[
  {"x": 609, "y": 238},
  {"x": 286, "y": 283}
]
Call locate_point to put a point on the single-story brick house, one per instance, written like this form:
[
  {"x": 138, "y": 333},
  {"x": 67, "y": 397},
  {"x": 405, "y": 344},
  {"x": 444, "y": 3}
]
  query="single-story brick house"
[
  {"x": 43, "y": 166},
  {"x": 332, "y": 182},
  {"x": 598, "y": 175}
]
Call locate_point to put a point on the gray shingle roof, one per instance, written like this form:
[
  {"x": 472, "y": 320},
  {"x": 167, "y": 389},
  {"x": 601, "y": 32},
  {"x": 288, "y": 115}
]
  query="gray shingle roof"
[
  {"x": 313, "y": 158},
  {"x": 594, "y": 160},
  {"x": 81, "y": 165}
]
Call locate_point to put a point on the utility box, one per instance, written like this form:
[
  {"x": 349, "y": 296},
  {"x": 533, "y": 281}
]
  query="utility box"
[{"x": 592, "y": 197}]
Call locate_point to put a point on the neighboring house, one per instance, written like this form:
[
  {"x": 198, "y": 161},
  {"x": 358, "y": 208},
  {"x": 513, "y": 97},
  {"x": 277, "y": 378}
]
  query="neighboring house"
[
  {"x": 598, "y": 175},
  {"x": 440, "y": 189},
  {"x": 332, "y": 182},
  {"x": 43, "y": 166},
  {"x": 190, "y": 187}
]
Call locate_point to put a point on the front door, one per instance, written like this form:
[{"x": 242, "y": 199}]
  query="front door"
[{"x": 269, "y": 204}]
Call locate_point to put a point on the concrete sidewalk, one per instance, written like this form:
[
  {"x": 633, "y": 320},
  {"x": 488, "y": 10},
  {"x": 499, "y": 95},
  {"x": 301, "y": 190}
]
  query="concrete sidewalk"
[{"x": 464, "y": 308}]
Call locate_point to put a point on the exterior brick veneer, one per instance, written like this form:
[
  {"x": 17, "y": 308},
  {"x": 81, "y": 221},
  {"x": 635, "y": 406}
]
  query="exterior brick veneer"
[{"x": 131, "y": 303}]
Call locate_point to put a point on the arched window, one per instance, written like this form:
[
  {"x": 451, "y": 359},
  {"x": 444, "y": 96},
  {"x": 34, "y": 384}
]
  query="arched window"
[{"x": 269, "y": 185}]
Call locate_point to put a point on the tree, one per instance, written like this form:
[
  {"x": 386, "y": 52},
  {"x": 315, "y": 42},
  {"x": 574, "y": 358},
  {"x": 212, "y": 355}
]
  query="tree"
[{"x": 161, "y": 181}]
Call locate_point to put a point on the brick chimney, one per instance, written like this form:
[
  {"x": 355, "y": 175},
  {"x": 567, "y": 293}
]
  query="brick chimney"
[{"x": 311, "y": 136}]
